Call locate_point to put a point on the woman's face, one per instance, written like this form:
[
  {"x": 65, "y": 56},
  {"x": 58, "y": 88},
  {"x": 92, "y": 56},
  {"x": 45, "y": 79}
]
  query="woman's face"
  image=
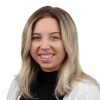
[{"x": 46, "y": 45}]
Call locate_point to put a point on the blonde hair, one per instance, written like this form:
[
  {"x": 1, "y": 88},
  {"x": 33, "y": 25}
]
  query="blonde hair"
[{"x": 70, "y": 72}]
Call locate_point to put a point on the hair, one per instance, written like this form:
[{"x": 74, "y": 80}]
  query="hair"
[{"x": 70, "y": 72}]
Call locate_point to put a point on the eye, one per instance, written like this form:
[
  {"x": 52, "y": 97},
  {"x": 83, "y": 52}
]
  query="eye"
[
  {"x": 35, "y": 37},
  {"x": 38, "y": 37},
  {"x": 55, "y": 37}
]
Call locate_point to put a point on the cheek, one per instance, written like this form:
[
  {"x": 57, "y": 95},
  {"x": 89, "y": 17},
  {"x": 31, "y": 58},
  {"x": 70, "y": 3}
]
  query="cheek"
[
  {"x": 60, "y": 48},
  {"x": 33, "y": 49}
]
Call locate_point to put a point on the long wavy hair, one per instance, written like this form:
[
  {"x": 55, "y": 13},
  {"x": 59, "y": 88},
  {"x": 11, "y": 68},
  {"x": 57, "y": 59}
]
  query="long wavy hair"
[{"x": 70, "y": 71}]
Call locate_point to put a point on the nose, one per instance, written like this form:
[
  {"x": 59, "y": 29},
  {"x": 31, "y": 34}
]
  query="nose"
[{"x": 45, "y": 45}]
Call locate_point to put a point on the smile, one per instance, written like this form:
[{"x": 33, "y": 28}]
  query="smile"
[{"x": 46, "y": 58}]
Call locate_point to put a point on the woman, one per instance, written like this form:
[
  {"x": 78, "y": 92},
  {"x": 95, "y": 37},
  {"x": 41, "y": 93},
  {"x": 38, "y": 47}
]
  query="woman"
[{"x": 50, "y": 65}]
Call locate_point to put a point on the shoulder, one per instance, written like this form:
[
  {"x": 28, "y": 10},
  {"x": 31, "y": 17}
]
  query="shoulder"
[
  {"x": 85, "y": 90},
  {"x": 13, "y": 90}
]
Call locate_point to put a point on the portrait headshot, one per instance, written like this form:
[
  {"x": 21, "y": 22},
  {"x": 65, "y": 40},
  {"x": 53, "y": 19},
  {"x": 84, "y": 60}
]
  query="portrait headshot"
[{"x": 51, "y": 68}]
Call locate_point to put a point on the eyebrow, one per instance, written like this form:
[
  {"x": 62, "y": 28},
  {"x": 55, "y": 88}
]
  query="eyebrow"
[{"x": 49, "y": 34}]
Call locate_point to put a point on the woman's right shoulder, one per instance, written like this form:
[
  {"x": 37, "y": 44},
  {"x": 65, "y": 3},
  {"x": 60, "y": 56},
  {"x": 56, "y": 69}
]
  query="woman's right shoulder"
[{"x": 13, "y": 90}]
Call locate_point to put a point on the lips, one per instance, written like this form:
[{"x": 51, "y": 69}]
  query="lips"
[
  {"x": 46, "y": 54},
  {"x": 46, "y": 59}
]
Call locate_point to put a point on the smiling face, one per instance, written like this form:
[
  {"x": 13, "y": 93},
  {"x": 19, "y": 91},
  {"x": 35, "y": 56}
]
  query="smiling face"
[{"x": 46, "y": 45}]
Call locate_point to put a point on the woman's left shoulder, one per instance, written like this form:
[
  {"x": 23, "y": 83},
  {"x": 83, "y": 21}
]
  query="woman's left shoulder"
[
  {"x": 88, "y": 86},
  {"x": 84, "y": 90},
  {"x": 88, "y": 90}
]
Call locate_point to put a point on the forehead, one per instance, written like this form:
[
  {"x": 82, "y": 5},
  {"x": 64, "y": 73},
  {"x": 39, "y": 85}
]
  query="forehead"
[{"x": 46, "y": 25}]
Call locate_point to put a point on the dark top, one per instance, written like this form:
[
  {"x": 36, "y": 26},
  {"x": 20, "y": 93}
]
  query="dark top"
[{"x": 45, "y": 86}]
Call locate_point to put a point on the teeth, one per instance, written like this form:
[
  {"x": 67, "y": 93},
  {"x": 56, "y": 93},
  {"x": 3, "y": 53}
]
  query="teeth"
[{"x": 46, "y": 56}]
